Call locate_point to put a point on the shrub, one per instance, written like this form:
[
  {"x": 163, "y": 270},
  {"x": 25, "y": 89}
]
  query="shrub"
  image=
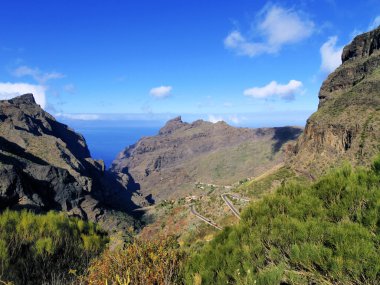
[
  {"x": 139, "y": 263},
  {"x": 37, "y": 249},
  {"x": 323, "y": 233}
]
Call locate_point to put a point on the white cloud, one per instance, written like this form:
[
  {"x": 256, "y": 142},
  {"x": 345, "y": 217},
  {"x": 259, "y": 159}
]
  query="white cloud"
[
  {"x": 161, "y": 91},
  {"x": 375, "y": 23},
  {"x": 283, "y": 26},
  {"x": 242, "y": 46},
  {"x": 214, "y": 118},
  {"x": 331, "y": 55},
  {"x": 35, "y": 73},
  {"x": 81, "y": 117},
  {"x": 230, "y": 118},
  {"x": 284, "y": 91},
  {"x": 10, "y": 90},
  {"x": 278, "y": 27}
]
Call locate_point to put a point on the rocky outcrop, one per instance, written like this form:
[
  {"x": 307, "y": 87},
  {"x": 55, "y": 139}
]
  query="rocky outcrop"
[
  {"x": 362, "y": 46},
  {"x": 172, "y": 125},
  {"x": 169, "y": 164},
  {"x": 347, "y": 123},
  {"x": 45, "y": 165},
  {"x": 359, "y": 60}
]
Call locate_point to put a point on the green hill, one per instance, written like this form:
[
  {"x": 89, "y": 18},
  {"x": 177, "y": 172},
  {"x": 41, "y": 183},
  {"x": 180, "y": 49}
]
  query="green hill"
[{"x": 321, "y": 233}]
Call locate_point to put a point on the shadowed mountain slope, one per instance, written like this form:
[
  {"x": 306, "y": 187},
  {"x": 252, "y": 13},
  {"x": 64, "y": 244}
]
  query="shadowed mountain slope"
[{"x": 45, "y": 165}]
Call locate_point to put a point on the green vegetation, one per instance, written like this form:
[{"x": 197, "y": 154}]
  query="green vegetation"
[
  {"x": 362, "y": 97},
  {"x": 364, "y": 132},
  {"x": 140, "y": 263},
  {"x": 327, "y": 232},
  {"x": 228, "y": 165},
  {"x": 258, "y": 188},
  {"x": 43, "y": 249}
]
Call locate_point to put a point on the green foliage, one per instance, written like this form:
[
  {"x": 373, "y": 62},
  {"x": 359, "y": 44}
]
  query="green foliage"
[
  {"x": 322, "y": 233},
  {"x": 139, "y": 263},
  {"x": 365, "y": 131},
  {"x": 35, "y": 249},
  {"x": 227, "y": 165},
  {"x": 376, "y": 165},
  {"x": 258, "y": 188}
]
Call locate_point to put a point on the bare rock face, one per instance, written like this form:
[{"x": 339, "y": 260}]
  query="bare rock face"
[
  {"x": 45, "y": 165},
  {"x": 172, "y": 126},
  {"x": 27, "y": 125},
  {"x": 169, "y": 164},
  {"x": 362, "y": 46},
  {"x": 347, "y": 123}
]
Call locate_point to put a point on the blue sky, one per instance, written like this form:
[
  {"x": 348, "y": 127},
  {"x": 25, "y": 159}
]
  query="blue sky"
[{"x": 250, "y": 63}]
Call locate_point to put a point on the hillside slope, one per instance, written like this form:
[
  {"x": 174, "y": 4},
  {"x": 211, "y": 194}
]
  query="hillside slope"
[
  {"x": 326, "y": 232},
  {"x": 347, "y": 123},
  {"x": 168, "y": 165}
]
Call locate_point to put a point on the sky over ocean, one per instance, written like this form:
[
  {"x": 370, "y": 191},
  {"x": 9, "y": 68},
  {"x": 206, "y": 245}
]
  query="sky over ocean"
[
  {"x": 245, "y": 62},
  {"x": 106, "y": 143}
]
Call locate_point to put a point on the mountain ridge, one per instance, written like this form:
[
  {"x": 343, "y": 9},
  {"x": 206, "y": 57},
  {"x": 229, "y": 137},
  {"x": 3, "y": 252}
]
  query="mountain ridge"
[
  {"x": 45, "y": 165},
  {"x": 346, "y": 125},
  {"x": 169, "y": 164}
]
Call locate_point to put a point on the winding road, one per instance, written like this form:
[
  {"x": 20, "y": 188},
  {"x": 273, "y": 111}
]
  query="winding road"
[
  {"x": 208, "y": 221},
  {"x": 229, "y": 204},
  {"x": 228, "y": 201}
]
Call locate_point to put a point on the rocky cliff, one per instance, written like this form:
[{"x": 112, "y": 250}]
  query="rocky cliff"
[
  {"x": 168, "y": 165},
  {"x": 45, "y": 165},
  {"x": 347, "y": 123}
]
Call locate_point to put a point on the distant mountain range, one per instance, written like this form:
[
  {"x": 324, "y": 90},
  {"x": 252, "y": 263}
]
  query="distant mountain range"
[
  {"x": 45, "y": 165},
  {"x": 168, "y": 166}
]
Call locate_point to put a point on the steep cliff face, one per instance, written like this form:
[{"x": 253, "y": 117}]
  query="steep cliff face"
[
  {"x": 25, "y": 124},
  {"x": 168, "y": 165},
  {"x": 45, "y": 165},
  {"x": 347, "y": 123}
]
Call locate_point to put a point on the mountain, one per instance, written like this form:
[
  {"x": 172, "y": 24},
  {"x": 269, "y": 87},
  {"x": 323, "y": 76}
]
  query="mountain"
[
  {"x": 346, "y": 125},
  {"x": 45, "y": 165},
  {"x": 168, "y": 165}
]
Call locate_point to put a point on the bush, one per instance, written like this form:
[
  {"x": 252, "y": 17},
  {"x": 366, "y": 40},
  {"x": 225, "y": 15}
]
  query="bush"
[
  {"x": 324, "y": 233},
  {"x": 140, "y": 263},
  {"x": 38, "y": 249}
]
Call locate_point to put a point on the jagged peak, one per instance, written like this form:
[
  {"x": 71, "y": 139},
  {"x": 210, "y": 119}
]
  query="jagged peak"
[
  {"x": 23, "y": 99},
  {"x": 359, "y": 59},
  {"x": 176, "y": 119},
  {"x": 362, "y": 45},
  {"x": 172, "y": 125}
]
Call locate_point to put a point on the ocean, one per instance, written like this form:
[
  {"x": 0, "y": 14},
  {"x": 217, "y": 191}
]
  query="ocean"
[{"x": 107, "y": 142}]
